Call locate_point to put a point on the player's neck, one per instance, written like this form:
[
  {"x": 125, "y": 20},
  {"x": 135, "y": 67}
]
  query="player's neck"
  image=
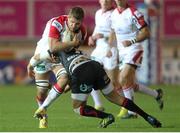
[
  {"x": 122, "y": 7},
  {"x": 106, "y": 9}
]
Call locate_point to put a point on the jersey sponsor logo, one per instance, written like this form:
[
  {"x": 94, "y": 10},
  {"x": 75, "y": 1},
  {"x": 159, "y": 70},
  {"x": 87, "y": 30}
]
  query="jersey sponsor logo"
[
  {"x": 138, "y": 14},
  {"x": 136, "y": 22},
  {"x": 58, "y": 25},
  {"x": 86, "y": 88},
  {"x": 40, "y": 67}
]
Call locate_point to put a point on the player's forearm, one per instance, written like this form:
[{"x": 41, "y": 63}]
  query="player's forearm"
[
  {"x": 56, "y": 45},
  {"x": 111, "y": 38},
  {"x": 35, "y": 60},
  {"x": 143, "y": 34}
]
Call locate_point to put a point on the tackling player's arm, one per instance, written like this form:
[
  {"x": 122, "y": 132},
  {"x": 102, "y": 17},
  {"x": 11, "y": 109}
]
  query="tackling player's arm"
[{"x": 56, "y": 45}]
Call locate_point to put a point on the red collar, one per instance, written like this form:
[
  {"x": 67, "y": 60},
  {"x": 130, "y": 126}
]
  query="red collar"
[{"x": 122, "y": 9}]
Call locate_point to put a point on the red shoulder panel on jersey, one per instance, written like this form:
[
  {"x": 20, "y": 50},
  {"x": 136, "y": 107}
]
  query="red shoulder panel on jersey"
[
  {"x": 139, "y": 16},
  {"x": 57, "y": 25}
]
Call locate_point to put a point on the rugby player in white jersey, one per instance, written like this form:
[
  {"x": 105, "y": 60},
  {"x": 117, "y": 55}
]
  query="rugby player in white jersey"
[
  {"x": 41, "y": 69},
  {"x": 99, "y": 38},
  {"x": 130, "y": 28}
]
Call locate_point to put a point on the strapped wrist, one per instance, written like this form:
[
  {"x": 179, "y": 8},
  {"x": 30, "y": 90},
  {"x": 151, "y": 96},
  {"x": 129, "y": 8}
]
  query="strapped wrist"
[{"x": 133, "y": 41}]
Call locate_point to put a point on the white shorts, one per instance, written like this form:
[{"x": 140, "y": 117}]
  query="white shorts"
[
  {"x": 99, "y": 55},
  {"x": 83, "y": 97},
  {"x": 46, "y": 66},
  {"x": 43, "y": 67},
  {"x": 133, "y": 57}
]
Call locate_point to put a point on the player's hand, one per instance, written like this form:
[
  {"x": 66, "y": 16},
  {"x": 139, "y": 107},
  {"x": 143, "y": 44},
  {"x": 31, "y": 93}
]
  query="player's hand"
[
  {"x": 98, "y": 36},
  {"x": 109, "y": 53},
  {"x": 54, "y": 58},
  {"x": 30, "y": 71},
  {"x": 91, "y": 41},
  {"x": 126, "y": 43},
  {"x": 76, "y": 41}
]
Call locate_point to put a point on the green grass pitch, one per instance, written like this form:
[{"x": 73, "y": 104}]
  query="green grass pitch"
[{"x": 17, "y": 105}]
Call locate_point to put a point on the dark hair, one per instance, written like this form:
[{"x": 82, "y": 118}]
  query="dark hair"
[{"x": 77, "y": 12}]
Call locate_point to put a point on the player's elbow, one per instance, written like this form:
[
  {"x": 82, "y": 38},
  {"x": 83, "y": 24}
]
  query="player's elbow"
[{"x": 146, "y": 32}]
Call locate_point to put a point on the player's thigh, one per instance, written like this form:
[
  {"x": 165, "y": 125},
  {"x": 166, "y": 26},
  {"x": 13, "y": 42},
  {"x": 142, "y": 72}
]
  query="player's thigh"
[
  {"x": 111, "y": 63},
  {"x": 42, "y": 83},
  {"x": 77, "y": 103},
  {"x": 61, "y": 75},
  {"x": 79, "y": 93},
  {"x": 113, "y": 74},
  {"x": 42, "y": 75},
  {"x": 42, "y": 71},
  {"x": 59, "y": 70},
  {"x": 127, "y": 75}
]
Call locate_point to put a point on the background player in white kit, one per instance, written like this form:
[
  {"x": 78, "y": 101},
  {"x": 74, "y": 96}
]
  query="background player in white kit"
[
  {"x": 59, "y": 25},
  {"x": 130, "y": 29},
  {"x": 100, "y": 53}
]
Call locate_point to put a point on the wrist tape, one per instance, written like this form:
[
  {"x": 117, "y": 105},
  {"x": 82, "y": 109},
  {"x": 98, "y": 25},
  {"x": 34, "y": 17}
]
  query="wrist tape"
[{"x": 133, "y": 41}]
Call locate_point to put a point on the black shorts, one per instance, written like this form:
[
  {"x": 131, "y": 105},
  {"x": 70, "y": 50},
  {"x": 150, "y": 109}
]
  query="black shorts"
[{"x": 87, "y": 76}]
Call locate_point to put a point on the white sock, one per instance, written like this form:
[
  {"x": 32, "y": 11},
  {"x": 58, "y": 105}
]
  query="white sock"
[
  {"x": 129, "y": 93},
  {"x": 96, "y": 97},
  {"x": 53, "y": 95},
  {"x": 146, "y": 90}
]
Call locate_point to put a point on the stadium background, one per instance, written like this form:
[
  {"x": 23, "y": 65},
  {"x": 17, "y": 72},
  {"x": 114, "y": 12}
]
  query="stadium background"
[{"x": 22, "y": 23}]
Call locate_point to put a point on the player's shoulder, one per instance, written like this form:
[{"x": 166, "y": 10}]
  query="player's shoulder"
[
  {"x": 98, "y": 12},
  {"x": 132, "y": 7},
  {"x": 135, "y": 12},
  {"x": 59, "y": 21},
  {"x": 114, "y": 12}
]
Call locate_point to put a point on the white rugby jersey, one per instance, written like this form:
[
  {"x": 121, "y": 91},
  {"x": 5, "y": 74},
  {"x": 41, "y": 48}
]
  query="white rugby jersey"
[
  {"x": 103, "y": 22},
  {"x": 126, "y": 24}
]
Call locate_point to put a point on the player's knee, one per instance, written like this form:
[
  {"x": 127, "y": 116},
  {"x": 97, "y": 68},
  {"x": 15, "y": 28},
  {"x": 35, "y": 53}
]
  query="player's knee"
[
  {"x": 123, "y": 80},
  {"x": 77, "y": 110},
  {"x": 136, "y": 87},
  {"x": 108, "y": 89},
  {"x": 61, "y": 74},
  {"x": 43, "y": 84}
]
